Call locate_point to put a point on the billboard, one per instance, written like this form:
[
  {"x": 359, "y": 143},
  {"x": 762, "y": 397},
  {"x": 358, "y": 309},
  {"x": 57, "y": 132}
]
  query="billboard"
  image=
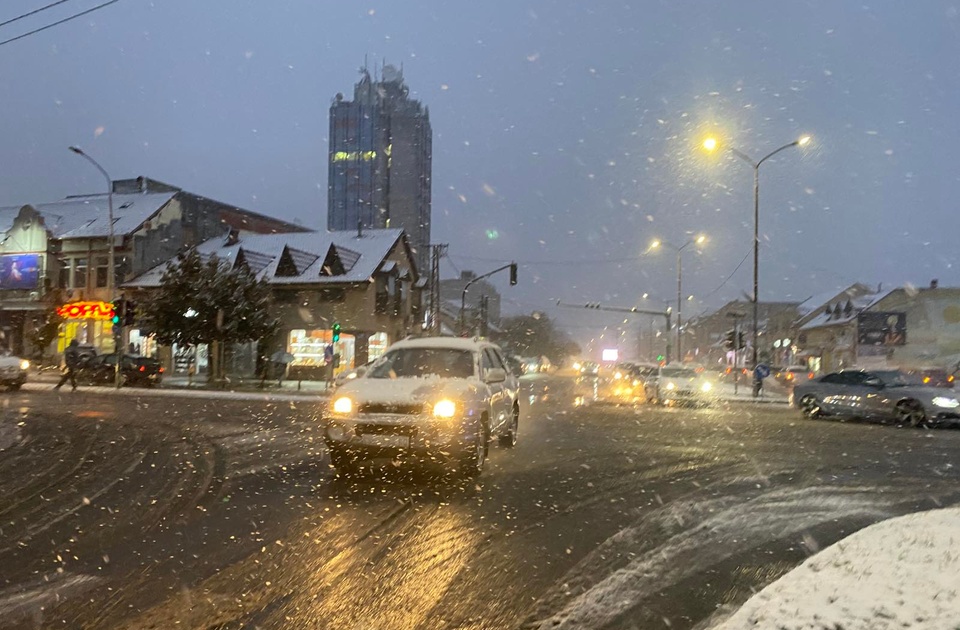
[
  {"x": 881, "y": 329},
  {"x": 609, "y": 354},
  {"x": 19, "y": 271}
]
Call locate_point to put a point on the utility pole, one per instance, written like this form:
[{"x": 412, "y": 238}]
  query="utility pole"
[
  {"x": 736, "y": 317},
  {"x": 437, "y": 252}
]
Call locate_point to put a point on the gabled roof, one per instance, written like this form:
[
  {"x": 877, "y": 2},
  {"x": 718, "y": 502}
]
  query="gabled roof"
[
  {"x": 318, "y": 257},
  {"x": 844, "y": 310},
  {"x": 86, "y": 216}
]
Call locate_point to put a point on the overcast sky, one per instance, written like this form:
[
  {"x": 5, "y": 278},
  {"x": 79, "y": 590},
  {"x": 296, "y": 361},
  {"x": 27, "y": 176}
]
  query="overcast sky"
[{"x": 566, "y": 133}]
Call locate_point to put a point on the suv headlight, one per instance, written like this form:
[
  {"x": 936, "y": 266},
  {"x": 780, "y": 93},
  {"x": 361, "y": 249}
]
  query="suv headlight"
[
  {"x": 946, "y": 402},
  {"x": 445, "y": 409},
  {"x": 342, "y": 405},
  {"x": 24, "y": 365},
  {"x": 706, "y": 387},
  {"x": 671, "y": 386}
]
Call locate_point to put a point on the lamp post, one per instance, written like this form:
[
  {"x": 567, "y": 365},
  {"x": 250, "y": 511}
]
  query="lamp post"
[
  {"x": 111, "y": 261},
  {"x": 700, "y": 240},
  {"x": 711, "y": 144}
]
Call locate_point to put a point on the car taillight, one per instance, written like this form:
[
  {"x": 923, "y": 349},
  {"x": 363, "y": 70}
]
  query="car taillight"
[
  {"x": 810, "y": 375},
  {"x": 790, "y": 377},
  {"x": 160, "y": 370},
  {"x": 143, "y": 369},
  {"x": 926, "y": 379},
  {"x": 950, "y": 378}
]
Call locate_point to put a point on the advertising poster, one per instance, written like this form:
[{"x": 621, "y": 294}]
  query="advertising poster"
[{"x": 19, "y": 271}]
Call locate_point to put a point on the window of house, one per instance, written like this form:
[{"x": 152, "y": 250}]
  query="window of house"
[
  {"x": 103, "y": 270},
  {"x": 382, "y": 297},
  {"x": 63, "y": 281},
  {"x": 80, "y": 273}
]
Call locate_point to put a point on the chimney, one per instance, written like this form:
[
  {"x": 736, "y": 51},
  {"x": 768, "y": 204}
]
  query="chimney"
[
  {"x": 359, "y": 228},
  {"x": 142, "y": 184},
  {"x": 934, "y": 283},
  {"x": 233, "y": 237}
]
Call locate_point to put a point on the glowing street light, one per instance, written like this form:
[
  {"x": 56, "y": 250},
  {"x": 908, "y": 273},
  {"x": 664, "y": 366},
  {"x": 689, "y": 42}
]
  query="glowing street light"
[
  {"x": 657, "y": 243},
  {"x": 711, "y": 144}
]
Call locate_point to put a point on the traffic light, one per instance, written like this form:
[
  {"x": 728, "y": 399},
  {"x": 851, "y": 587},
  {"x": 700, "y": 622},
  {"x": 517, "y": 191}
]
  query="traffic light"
[
  {"x": 130, "y": 315},
  {"x": 741, "y": 344},
  {"x": 115, "y": 311},
  {"x": 729, "y": 339},
  {"x": 336, "y": 332},
  {"x": 513, "y": 274},
  {"x": 660, "y": 358}
]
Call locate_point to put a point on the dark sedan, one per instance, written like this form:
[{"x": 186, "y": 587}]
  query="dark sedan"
[
  {"x": 886, "y": 395},
  {"x": 136, "y": 370}
]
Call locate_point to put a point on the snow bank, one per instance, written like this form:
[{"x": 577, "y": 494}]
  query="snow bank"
[{"x": 900, "y": 573}]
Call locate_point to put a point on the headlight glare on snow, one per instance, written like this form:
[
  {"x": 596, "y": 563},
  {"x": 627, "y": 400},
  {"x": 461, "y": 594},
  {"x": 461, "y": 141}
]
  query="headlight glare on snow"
[
  {"x": 342, "y": 405},
  {"x": 445, "y": 409},
  {"x": 946, "y": 402}
]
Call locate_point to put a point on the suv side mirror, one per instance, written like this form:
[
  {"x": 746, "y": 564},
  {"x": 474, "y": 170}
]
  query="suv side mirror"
[{"x": 495, "y": 375}]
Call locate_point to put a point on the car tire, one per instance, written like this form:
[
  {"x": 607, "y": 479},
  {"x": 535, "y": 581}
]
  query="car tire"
[
  {"x": 810, "y": 407},
  {"x": 474, "y": 454},
  {"x": 343, "y": 461},
  {"x": 912, "y": 413},
  {"x": 15, "y": 387},
  {"x": 509, "y": 437}
]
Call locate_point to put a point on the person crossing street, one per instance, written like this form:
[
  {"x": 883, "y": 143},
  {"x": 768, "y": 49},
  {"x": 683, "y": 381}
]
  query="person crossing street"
[{"x": 72, "y": 360}]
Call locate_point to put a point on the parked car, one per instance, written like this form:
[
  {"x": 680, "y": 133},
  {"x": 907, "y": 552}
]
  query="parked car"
[
  {"x": 588, "y": 368},
  {"x": 935, "y": 377},
  {"x": 886, "y": 395},
  {"x": 13, "y": 372},
  {"x": 793, "y": 374},
  {"x": 440, "y": 398},
  {"x": 681, "y": 385},
  {"x": 135, "y": 370}
]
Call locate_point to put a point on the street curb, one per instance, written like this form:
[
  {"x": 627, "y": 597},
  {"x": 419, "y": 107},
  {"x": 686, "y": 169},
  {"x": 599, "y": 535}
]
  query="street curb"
[{"x": 160, "y": 392}]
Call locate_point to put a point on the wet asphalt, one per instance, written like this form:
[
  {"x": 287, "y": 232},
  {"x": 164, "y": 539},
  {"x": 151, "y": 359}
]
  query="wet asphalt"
[{"x": 158, "y": 512}]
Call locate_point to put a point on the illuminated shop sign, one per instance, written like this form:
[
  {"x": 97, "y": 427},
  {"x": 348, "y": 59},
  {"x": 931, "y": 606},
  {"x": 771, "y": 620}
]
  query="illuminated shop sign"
[{"x": 86, "y": 310}]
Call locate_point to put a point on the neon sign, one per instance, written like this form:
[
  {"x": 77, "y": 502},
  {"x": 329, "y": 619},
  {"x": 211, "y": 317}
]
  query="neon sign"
[{"x": 86, "y": 310}]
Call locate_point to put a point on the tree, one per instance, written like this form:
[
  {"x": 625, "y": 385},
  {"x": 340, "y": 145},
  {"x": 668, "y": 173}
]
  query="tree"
[
  {"x": 536, "y": 335},
  {"x": 204, "y": 301}
]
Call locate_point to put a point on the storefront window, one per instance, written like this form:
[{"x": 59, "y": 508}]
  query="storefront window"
[
  {"x": 377, "y": 345},
  {"x": 80, "y": 273},
  {"x": 307, "y": 348}
]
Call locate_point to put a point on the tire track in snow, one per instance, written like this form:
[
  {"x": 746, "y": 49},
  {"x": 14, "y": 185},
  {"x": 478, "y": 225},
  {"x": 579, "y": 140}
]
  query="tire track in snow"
[{"x": 710, "y": 532}]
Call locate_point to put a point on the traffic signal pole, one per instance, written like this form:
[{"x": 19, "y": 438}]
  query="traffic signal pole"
[
  {"x": 118, "y": 339},
  {"x": 596, "y": 306},
  {"x": 463, "y": 296}
]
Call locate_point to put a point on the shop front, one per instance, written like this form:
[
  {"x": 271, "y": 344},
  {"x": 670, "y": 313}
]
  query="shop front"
[
  {"x": 311, "y": 355},
  {"x": 90, "y": 323}
]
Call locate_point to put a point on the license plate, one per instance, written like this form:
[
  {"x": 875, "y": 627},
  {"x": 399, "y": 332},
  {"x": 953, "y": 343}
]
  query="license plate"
[{"x": 388, "y": 441}]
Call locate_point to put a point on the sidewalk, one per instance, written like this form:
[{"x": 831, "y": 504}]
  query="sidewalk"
[
  {"x": 770, "y": 395},
  {"x": 182, "y": 384},
  {"x": 899, "y": 573}
]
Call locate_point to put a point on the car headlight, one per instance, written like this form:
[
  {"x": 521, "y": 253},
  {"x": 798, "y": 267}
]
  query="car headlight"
[
  {"x": 671, "y": 386},
  {"x": 947, "y": 402},
  {"x": 706, "y": 387},
  {"x": 342, "y": 405},
  {"x": 24, "y": 364},
  {"x": 576, "y": 366},
  {"x": 618, "y": 375},
  {"x": 445, "y": 409}
]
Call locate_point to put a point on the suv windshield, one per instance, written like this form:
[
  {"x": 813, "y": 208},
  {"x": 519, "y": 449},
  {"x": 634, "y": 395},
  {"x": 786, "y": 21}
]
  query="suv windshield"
[
  {"x": 422, "y": 362},
  {"x": 678, "y": 373}
]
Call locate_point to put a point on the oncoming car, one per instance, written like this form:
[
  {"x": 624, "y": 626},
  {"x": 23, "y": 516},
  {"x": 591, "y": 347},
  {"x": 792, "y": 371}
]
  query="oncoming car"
[
  {"x": 682, "y": 385},
  {"x": 13, "y": 372},
  {"x": 439, "y": 398}
]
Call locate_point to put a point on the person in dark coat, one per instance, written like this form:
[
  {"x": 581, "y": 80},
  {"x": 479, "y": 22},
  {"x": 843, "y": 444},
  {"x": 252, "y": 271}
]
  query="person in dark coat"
[{"x": 71, "y": 357}]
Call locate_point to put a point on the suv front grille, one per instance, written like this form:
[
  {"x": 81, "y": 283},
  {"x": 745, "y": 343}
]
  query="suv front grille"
[
  {"x": 386, "y": 429},
  {"x": 392, "y": 409}
]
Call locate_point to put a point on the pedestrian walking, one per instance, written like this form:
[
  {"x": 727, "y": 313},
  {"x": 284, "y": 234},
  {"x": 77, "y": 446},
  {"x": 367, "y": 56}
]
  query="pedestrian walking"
[{"x": 71, "y": 359}]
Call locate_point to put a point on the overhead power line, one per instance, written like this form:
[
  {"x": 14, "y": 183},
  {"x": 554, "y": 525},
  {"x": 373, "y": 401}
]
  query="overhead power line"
[
  {"x": 58, "y": 22},
  {"x": 34, "y": 12}
]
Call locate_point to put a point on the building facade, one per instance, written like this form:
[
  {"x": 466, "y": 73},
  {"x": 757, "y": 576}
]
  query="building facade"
[
  {"x": 380, "y": 161},
  {"x": 365, "y": 282},
  {"x": 55, "y": 255}
]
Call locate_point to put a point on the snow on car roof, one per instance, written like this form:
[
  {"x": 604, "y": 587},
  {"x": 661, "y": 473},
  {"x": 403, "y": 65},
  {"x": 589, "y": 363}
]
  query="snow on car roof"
[{"x": 457, "y": 343}]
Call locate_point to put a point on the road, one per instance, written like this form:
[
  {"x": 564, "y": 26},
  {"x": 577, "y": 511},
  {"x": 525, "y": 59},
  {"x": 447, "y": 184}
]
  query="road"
[{"x": 149, "y": 511}]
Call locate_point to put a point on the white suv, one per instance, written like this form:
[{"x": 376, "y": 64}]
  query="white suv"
[{"x": 440, "y": 397}]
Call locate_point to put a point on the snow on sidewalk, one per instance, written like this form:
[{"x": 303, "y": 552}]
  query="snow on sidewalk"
[{"x": 900, "y": 573}]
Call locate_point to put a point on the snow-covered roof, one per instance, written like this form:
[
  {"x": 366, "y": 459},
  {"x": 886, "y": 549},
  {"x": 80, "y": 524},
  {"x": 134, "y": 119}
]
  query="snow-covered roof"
[
  {"x": 87, "y": 216},
  {"x": 845, "y": 310},
  {"x": 297, "y": 258}
]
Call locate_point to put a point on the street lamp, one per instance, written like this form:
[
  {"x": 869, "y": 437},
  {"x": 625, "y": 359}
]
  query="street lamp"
[
  {"x": 656, "y": 243},
  {"x": 711, "y": 144},
  {"x": 111, "y": 262}
]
